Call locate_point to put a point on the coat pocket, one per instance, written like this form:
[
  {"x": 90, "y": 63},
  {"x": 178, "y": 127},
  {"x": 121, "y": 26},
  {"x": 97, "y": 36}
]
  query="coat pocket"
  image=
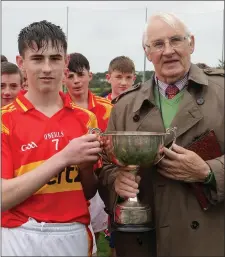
[{"x": 163, "y": 241}]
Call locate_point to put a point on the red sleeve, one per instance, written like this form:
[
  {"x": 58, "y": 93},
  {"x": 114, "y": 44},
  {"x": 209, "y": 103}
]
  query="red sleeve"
[{"x": 6, "y": 154}]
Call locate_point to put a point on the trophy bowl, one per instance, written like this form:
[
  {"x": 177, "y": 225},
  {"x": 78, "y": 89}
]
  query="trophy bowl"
[{"x": 132, "y": 149}]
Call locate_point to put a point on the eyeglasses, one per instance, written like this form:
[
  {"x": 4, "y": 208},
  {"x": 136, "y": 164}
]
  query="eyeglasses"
[{"x": 159, "y": 45}]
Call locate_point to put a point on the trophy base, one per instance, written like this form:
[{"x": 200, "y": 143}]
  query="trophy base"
[
  {"x": 132, "y": 213},
  {"x": 133, "y": 228}
]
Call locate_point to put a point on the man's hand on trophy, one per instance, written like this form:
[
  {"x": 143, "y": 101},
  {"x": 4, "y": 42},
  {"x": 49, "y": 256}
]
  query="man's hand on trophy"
[
  {"x": 182, "y": 164},
  {"x": 126, "y": 183}
]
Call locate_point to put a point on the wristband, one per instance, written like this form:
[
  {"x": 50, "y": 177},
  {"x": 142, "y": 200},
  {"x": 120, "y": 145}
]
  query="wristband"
[{"x": 208, "y": 178}]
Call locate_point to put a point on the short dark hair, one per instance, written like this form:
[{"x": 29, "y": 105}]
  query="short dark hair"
[
  {"x": 11, "y": 68},
  {"x": 3, "y": 58},
  {"x": 78, "y": 62},
  {"x": 41, "y": 33},
  {"x": 123, "y": 64}
]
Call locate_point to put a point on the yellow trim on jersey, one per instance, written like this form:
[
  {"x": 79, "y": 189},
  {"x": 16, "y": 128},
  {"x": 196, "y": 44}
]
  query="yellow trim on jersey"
[
  {"x": 101, "y": 99},
  {"x": 92, "y": 122},
  {"x": 93, "y": 102},
  {"x": 58, "y": 183},
  {"x": 5, "y": 109},
  {"x": 4, "y": 129},
  {"x": 21, "y": 105},
  {"x": 27, "y": 167},
  {"x": 8, "y": 109},
  {"x": 108, "y": 109},
  {"x": 107, "y": 105},
  {"x": 10, "y": 106}
]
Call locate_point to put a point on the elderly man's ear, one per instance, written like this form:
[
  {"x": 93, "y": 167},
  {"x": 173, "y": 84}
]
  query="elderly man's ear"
[
  {"x": 147, "y": 53},
  {"x": 192, "y": 44}
]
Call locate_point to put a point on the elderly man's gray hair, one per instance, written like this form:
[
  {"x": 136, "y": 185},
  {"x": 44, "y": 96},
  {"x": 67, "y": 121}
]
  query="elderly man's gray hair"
[{"x": 169, "y": 18}]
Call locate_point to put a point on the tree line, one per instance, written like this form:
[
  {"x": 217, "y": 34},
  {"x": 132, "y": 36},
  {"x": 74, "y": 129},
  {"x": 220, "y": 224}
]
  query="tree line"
[{"x": 99, "y": 84}]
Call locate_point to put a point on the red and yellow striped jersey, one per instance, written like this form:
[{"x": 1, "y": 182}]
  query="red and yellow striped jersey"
[
  {"x": 109, "y": 97},
  {"x": 28, "y": 139},
  {"x": 101, "y": 107}
]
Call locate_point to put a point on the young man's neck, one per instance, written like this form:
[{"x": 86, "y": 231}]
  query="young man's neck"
[
  {"x": 114, "y": 95},
  {"x": 47, "y": 103},
  {"x": 81, "y": 100}
]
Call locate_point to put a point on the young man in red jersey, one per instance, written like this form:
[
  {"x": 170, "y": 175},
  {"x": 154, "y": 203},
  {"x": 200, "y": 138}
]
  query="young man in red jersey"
[
  {"x": 121, "y": 75},
  {"x": 77, "y": 83},
  {"x": 11, "y": 82},
  {"x": 47, "y": 158}
]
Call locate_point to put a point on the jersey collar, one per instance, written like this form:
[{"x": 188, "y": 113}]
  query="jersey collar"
[{"x": 25, "y": 105}]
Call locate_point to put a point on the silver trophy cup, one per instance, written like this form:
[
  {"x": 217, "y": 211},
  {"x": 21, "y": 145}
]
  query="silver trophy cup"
[{"x": 132, "y": 149}]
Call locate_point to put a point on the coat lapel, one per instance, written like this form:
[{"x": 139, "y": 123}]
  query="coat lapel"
[
  {"x": 187, "y": 116},
  {"x": 145, "y": 109}
]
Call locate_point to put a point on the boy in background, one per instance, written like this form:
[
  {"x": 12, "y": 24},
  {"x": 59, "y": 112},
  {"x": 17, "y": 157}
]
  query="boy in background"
[
  {"x": 77, "y": 82},
  {"x": 11, "y": 82},
  {"x": 121, "y": 75}
]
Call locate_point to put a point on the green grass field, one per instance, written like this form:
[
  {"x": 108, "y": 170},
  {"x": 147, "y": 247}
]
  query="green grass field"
[{"x": 103, "y": 246}]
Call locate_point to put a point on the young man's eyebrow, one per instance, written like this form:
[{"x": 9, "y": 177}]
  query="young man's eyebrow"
[
  {"x": 56, "y": 55},
  {"x": 36, "y": 55},
  {"x": 40, "y": 55}
]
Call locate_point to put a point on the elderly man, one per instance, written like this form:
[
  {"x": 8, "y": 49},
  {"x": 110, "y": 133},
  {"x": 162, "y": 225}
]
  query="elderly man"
[{"x": 181, "y": 95}]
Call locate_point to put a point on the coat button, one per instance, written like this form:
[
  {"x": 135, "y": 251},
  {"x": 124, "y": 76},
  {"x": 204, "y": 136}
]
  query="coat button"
[
  {"x": 139, "y": 240},
  {"x": 200, "y": 101},
  {"x": 136, "y": 118},
  {"x": 194, "y": 224}
]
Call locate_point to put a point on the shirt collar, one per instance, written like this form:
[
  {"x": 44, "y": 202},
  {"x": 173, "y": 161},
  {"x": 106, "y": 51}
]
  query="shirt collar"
[
  {"x": 180, "y": 84},
  {"x": 91, "y": 100},
  {"x": 109, "y": 97},
  {"x": 25, "y": 105}
]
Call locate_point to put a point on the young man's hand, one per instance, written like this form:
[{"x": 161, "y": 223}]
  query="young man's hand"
[{"x": 82, "y": 150}]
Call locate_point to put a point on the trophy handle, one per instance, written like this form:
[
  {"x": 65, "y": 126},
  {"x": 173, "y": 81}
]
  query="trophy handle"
[
  {"x": 100, "y": 133},
  {"x": 95, "y": 131},
  {"x": 168, "y": 131}
]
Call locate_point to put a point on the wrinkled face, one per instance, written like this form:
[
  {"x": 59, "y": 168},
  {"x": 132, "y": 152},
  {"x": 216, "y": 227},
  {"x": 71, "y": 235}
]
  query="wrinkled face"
[
  {"x": 77, "y": 82},
  {"x": 120, "y": 81},
  {"x": 10, "y": 87},
  {"x": 44, "y": 67},
  {"x": 172, "y": 62}
]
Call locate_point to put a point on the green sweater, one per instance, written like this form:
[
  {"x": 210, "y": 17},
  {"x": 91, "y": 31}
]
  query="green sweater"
[{"x": 169, "y": 106}]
